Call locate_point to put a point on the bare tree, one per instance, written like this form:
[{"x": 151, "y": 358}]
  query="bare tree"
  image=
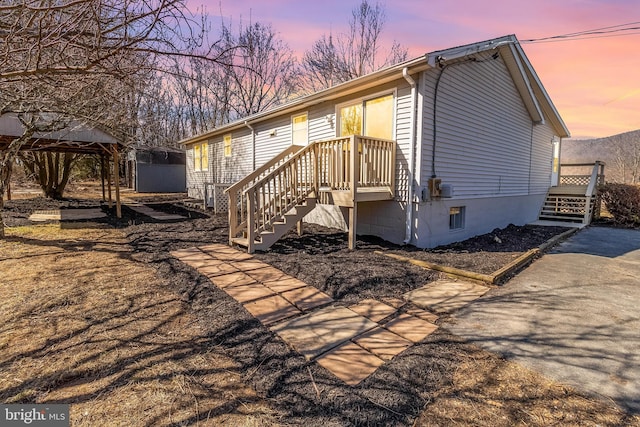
[
  {"x": 263, "y": 73},
  {"x": 255, "y": 70},
  {"x": 64, "y": 60},
  {"x": 52, "y": 170},
  {"x": 332, "y": 60},
  {"x": 625, "y": 151}
]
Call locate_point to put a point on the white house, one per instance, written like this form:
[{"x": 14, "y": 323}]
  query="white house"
[{"x": 451, "y": 144}]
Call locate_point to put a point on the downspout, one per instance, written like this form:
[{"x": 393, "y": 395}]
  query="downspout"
[
  {"x": 253, "y": 145},
  {"x": 412, "y": 155}
]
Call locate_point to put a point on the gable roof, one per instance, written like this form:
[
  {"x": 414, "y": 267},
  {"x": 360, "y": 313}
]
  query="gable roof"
[
  {"x": 536, "y": 100},
  {"x": 535, "y": 97}
]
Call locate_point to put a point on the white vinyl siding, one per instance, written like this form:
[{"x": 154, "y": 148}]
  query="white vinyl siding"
[
  {"x": 272, "y": 137},
  {"x": 484, "y": 133},
  {"x": 227, "y": 169},
  {"x": 403, "y": 139},
  {"x": 322, "y": 122},
  {"x": 541, "y": 159},
  {"x": 197, "y": 178}
]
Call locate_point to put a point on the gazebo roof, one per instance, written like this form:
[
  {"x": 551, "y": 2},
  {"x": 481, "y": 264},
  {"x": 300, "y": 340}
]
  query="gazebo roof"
[{"x": 76, "y": 137}]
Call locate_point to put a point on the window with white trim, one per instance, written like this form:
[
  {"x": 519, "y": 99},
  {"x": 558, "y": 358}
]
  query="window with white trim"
[
  {"x": 369, "y": 117},
  {"x": 227, "y": 145},
  {"x": 201, "y": 157}
]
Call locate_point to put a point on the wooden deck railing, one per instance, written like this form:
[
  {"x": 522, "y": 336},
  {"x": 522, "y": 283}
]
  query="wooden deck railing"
[
  {"x": 590, "y": 182},
  {"x": 591, "y": 173},
  {"x": 371, "y": 165},
  {"x": 336, "y": 164},
  {"x": 236, "y": 192}
]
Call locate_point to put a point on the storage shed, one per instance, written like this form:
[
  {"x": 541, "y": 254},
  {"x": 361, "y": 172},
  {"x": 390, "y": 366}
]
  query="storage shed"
[{"x": 157, "y": 170}]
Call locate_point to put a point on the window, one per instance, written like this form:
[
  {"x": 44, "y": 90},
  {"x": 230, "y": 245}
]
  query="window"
[
  {"x": 371, "y": 117},
  {"x": 201, "y": 157},
  {"x": 379, "y": 117},
  {"x": 227, "y": 145},
  {"x": 456, "y": 218},
  {"x": 204, "y": 157},
  {"x": 351, "y": 120},
  {"x": 197, "y": 157},
  {"x": 300, "y": 129}
]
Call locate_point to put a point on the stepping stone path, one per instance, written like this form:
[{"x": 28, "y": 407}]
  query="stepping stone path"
[
  {"x": 444, "y": 296},
  {"x": 351, "y": 342},
  {"x": 67, "y": 214},
  {"x": 150, "y": 212}
]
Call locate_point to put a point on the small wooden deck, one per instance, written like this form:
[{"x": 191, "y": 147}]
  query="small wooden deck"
[
  {"x": 569, "y": 190},
  {"x": 363, "y": 194},
  {"x": 341, "y": 171},
  {"x": 576, "y": 198}
]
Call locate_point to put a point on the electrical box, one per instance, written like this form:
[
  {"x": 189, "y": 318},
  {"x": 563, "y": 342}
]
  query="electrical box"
[
  {"x": 446, "y": 190},
  {"x": 434, "y": 187}
]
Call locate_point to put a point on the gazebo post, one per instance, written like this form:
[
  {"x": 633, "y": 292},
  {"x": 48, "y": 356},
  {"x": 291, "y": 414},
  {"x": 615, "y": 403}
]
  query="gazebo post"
[
  {"x": 116, "y": 177},
  {"x": 109, "y": 184},
  {"x": 104, "y": 198}
]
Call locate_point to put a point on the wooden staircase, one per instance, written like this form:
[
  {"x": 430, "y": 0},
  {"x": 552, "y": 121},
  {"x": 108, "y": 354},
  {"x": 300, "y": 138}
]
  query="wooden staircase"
[
  {"x": 269, "y": 202},
  {"x": 567, "y": 204},
  {"x": 576, "y": 199},
  {"x": 267, "y": 237}
]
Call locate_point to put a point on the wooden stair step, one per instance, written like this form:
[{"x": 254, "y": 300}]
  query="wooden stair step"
[
  {"x": 561, "y": 218},
  {"x": 266, "y": 238}
]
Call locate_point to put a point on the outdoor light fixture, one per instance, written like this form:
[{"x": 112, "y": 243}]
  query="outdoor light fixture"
[{"x": 329, "y": 119}]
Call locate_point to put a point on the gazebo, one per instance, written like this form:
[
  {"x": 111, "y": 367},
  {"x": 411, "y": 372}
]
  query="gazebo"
[{"x": 76, "y": 137}]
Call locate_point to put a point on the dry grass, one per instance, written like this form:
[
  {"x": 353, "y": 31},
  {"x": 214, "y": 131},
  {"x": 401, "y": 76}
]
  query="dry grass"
[
  {"x": 82, "y": 323},
  {"x": 489, "y": 391}
]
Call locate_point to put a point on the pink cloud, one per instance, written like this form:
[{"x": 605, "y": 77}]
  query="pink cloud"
[{"x": 593, "y": 83}]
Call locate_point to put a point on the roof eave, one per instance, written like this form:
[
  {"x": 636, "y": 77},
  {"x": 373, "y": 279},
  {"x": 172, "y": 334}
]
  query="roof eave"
[
  {"x": 439, "y": 56},
  {"x": 382, "y": 76}
]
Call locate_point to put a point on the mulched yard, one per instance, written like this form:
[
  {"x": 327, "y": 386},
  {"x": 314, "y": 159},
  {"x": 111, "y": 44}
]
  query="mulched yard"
[{"x": 426, "y": 375}]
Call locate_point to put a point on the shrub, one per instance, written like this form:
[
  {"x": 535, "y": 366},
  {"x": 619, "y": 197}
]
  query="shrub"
[{"x": 623, "y": 203}]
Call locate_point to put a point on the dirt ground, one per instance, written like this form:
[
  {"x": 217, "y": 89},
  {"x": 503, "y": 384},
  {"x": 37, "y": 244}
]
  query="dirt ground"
[{"x": 99, "y": 315}]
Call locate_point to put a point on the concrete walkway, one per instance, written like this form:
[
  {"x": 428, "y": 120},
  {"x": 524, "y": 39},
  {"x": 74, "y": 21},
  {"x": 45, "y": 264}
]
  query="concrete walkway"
[{"x": 573, "y": 315}]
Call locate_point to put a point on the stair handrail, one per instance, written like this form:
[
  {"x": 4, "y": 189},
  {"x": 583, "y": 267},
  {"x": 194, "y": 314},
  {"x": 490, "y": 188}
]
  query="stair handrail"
[
  {"x": 236, "y": 190},
  {"x": 279, "y": 191},
  {"x": 593, "y": 181},
  {"x": 257, "y": 174}
]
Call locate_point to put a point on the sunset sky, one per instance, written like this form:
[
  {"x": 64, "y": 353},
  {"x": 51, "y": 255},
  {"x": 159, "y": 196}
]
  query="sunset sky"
[{"x": 594, "y": 83}]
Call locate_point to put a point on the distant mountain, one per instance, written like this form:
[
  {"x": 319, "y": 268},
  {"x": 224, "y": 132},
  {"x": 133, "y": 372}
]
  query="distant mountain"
[{"x": 620, "y": 152}]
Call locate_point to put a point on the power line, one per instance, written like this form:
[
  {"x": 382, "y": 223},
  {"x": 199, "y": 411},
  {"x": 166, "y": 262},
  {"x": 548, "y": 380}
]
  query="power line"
[{"x": 610, "y": 31}]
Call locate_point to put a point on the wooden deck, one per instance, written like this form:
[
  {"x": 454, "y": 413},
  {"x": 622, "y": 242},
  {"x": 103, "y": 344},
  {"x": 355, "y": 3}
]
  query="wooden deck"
[
  {"x": 576, "y": 199},
  {"x": 572, "y": 190},
  {"x": 343, "y": 171},
  {"x": 363, "y": 194}
]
